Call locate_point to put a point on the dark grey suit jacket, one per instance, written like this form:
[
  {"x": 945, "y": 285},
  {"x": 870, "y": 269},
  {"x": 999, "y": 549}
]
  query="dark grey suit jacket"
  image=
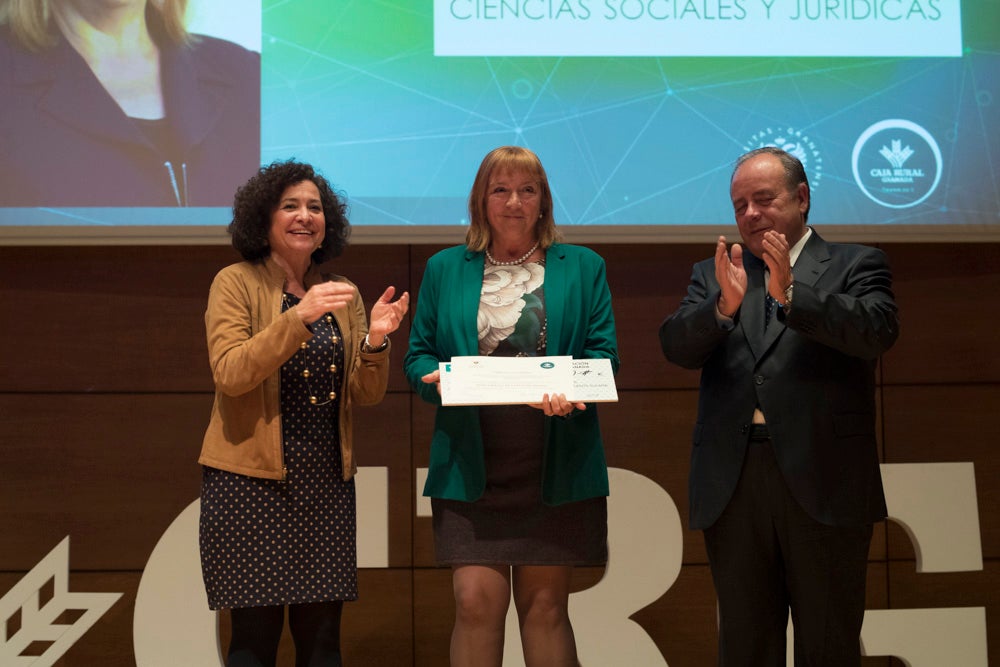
[{"x": 812, "y": 372}]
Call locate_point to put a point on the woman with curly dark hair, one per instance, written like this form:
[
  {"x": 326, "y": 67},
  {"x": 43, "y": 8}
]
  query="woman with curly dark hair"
[{"x": 291, "y": 350}]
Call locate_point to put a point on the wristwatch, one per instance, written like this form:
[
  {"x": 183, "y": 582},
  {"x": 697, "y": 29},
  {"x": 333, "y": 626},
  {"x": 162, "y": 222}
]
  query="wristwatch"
[
  {"x": 788, "y": 297},
  {"x": 368, "y": 348}
]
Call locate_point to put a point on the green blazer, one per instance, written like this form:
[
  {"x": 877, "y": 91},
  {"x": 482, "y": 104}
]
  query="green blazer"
[{"x": 580, "y": 323}]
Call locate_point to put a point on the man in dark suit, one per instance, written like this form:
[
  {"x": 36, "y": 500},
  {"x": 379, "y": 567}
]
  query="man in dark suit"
[{"x": 785, "y": 477}]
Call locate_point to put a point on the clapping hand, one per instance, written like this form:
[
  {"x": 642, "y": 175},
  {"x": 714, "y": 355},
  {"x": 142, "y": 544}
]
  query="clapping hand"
[
  {"x": 386, "y": 315},
  {"x": 779, "y": 265},
  {"x": 731, "y": 276},
  {"x": 323, "y": 298}
]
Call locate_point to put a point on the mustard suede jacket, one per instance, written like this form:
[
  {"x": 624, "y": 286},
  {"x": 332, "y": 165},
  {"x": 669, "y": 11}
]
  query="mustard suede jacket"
[
  {"x": 580, "y": 323},
  {"x": 249, "y": 338}
]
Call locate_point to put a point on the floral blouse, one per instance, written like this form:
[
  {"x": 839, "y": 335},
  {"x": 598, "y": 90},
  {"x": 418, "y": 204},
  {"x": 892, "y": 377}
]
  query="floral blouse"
[{"x": 512, "y": 309}]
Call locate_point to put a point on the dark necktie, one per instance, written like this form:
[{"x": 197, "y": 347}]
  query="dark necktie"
[{"x": 768, "y": 308}]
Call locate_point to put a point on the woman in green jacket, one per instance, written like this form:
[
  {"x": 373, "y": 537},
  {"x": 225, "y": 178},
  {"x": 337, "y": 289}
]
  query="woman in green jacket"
[{"x": 518, "y": 492}]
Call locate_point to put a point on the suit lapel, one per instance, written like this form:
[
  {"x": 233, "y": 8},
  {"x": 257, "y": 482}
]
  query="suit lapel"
[
  {"x": 813, "y": 261},
  {"x": 74, "y": 95},
  {"x": 810, "y": 265},
  {"x": 194, "y": 94},
  {"x": 773, "y": 330}
]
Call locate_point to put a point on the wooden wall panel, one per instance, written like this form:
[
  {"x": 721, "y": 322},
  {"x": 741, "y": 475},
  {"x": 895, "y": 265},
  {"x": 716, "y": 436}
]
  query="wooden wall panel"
[
  {"x": 877, "y": 597},
  {"x": 111, "y": 470},
  {"x": 422, "y": 414},
  {"x": 378, "y": 627},
  {"x": 944, "y": 423},
  {"x": 115, "y": 470},
  {"x": 647, "y": 284},
  {"x": 99, "y": 319},
  {"x": 682, "y": 622},
  {"x": 105, "y": 392},
  {"x": 433, "y": 616},
  {"x": 649, "y": 432},
  {"x": 947, "y": 296},
  {"x": 382, "y": 438}
]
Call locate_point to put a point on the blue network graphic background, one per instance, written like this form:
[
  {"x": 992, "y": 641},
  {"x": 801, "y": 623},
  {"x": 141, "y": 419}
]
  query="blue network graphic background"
[
  {"x": 626, "y": 141},
  {"x": 353, "y": 87}
]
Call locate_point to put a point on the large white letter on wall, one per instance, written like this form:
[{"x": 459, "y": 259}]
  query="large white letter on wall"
[
  {"x": 40, "y": 619},
  {"x": 936, "y": 505}
]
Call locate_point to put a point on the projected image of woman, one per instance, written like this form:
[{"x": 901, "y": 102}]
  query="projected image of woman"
[
  {"x": 114, "y": 103},
  {"x": 518, "y": 491}
]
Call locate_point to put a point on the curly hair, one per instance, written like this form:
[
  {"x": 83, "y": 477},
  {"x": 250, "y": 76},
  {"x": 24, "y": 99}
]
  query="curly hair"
[{"x": 257, "y": 199}]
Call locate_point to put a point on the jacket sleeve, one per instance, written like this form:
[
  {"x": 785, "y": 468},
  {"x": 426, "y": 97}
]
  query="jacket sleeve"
[
  {"x": 692, "y": 333},
  {"x": 860, "y": 319},
  {"x": 241, "y": 352},
  {"x": 422, "y": 356},
  {"x": 370, "y": 370}
]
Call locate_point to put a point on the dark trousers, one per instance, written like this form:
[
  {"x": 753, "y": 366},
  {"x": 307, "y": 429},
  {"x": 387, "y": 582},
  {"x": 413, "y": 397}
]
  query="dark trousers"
[
  {"x": 767, "y": 555},
  {"x": 315, "y": 628}
]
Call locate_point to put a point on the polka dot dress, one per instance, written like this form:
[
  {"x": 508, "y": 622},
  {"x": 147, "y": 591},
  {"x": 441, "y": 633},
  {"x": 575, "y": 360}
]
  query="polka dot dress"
[{"x": 292, "y": 541}]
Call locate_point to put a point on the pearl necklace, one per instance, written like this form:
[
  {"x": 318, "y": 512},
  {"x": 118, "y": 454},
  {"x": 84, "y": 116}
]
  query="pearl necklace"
[{"x": 513, "y": 262}]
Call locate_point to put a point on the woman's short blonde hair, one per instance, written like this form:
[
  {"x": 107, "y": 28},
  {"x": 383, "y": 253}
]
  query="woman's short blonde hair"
[
  {"x": 514, "y": 159},
  {"x": 31, "y": 20}
]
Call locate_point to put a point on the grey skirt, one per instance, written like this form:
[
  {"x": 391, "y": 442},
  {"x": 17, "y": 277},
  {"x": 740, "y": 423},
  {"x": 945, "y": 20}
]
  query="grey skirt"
[{"x": 509, "y": 524}]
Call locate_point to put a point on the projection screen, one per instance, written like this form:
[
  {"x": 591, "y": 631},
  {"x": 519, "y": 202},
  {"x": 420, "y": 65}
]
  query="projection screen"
[{"x": 637, "y": 109}]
